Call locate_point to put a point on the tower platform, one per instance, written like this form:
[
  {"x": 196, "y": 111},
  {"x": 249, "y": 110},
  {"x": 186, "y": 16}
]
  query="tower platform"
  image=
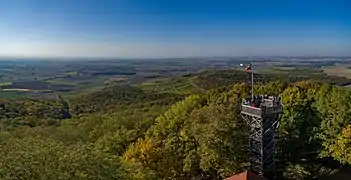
[{"x": 261, "y": 106}]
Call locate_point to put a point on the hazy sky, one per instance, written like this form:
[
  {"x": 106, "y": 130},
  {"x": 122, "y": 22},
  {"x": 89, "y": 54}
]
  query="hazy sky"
[{"x": 174, "y": 28}]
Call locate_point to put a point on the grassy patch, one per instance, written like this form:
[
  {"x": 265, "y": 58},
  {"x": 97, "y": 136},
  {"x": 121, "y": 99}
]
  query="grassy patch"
[
  {"x": 13, "y": 95},
  {"x": 338, "y": 71},
  {"x": 61, "y": 82},
  {"x": 179, "y": 85},
  {"x": 5, "y": 84},
  {"x": 72, "y": 73}
]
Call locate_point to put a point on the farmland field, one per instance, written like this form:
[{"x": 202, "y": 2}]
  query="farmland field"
[
  {"x": 5, "y": 84},
  {"x": 341, "y": 71},
  {"x": 13, "y": 95},
  {"x": 69, "y": 78}
]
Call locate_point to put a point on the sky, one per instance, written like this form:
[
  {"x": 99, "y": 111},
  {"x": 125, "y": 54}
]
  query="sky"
[{"x": 174, "y": 28}]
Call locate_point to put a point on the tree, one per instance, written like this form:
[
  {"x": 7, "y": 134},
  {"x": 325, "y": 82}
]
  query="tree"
[
  {"x": 199, "y": 137},
  {"x": 40, "y": 158},
  {"x": 296, "y": 172},
  {"x": 271, "y": 88},
  {"x": 340, "y": 149},
  {"x": 334, "y": 107},
  {"x": 221, "y": 139}
]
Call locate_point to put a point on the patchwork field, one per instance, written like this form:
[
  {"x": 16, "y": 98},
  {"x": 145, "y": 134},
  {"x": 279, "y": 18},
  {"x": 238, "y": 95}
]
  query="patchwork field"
[
  {"x": 69, "y": 78},
  {"x": 340, "y": 71}
]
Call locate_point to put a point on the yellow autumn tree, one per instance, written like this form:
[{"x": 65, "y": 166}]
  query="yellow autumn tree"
[{"x": 341, "y": 148}]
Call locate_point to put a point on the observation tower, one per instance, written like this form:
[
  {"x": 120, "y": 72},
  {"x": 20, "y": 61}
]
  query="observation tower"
[{"x": 262, "y": 114}]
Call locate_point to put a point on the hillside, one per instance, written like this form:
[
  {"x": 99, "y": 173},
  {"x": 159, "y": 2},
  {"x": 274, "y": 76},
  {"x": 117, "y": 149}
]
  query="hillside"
[
  {"x": 189, "y": 127},
  {"x": 211, "y": 79}
]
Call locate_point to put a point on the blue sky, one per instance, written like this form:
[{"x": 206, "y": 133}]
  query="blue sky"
[{"x": 174, "y": 28}]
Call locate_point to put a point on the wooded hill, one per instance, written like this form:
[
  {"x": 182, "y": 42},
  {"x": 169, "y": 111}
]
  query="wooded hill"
[{"x": 134, "y": 132}]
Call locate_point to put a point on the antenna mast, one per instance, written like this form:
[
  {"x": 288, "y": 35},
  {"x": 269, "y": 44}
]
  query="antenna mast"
[{"x": 252, "y": 82}]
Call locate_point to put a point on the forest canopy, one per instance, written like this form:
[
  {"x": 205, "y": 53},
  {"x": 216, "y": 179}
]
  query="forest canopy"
[{"x": 127, "y": 132}]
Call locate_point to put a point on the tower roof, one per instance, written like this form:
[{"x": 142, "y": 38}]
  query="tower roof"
[{"x": 247, "y": 175}]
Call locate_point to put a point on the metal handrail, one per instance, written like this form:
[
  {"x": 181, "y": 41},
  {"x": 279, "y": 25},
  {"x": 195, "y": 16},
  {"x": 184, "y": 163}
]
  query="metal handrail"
[{"x": 261, "y": 111}]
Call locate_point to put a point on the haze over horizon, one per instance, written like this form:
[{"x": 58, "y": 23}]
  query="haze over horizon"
[{"x": 174, "y": 28}]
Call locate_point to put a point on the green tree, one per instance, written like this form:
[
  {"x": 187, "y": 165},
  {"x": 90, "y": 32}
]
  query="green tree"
[
  {"x": 334, "y": 107},
  {"x": 340, "y": 148},
  {"x": 199, "y": 137},
  {"x": 40, "y": 158},
  {"x": 298, "y": 125},
  {"x": 296, "y": 172}
]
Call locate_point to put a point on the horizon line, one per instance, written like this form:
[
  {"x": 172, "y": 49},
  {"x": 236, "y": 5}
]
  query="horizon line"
[{"x": 150, "y": 58}]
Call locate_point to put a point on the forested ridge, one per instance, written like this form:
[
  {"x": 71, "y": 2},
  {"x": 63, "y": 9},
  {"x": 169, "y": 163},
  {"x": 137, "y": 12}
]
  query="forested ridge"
[{"x": 129, "y": 132}]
